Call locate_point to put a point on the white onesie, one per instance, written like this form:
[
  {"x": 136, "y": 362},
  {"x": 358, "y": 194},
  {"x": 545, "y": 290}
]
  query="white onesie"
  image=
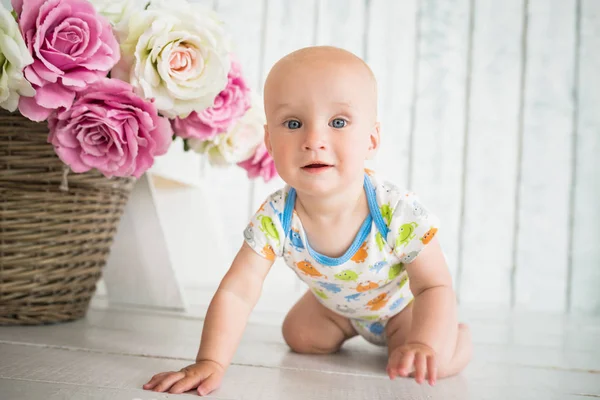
[{"x": 368, "y": 284}]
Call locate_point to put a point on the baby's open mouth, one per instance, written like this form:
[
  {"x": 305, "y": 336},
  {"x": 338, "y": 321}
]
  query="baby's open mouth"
[{"x": 316, "y": 165}]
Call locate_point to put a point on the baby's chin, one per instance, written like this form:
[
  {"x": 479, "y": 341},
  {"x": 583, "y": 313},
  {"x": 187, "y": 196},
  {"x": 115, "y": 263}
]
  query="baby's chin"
[{"x": 322, "y": 184}]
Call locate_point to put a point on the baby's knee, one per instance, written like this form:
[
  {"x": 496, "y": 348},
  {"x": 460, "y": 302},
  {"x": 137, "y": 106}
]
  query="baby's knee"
[
  {"x": 296, "y": 336},
  {"x": 456, "y": 358},
  {"x": 301, "y": 338}
]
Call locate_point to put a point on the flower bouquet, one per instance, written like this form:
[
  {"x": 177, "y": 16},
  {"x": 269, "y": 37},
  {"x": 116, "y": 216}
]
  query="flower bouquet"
[{"x": 116, "y": 82}]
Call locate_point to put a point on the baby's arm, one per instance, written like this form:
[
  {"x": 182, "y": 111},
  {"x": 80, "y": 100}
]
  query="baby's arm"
[
  {"x": 224, "y": 325},
  {"x": 230, "y": 308},
  {"x": 433, "y": 332},
  {"x": 434, "y": 308}
]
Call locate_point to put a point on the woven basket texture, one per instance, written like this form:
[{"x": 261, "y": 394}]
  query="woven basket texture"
[{"x": 56, "y": 227}]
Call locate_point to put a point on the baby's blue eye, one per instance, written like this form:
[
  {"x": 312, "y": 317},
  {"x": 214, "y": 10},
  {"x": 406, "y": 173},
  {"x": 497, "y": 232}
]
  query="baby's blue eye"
[
  {"x": 293, "y": 124},
  {"x": 338, "y": 123}
]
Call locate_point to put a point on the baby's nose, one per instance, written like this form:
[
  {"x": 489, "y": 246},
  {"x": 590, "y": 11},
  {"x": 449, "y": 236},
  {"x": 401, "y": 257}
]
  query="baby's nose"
[{"x": 314, "y": 140}]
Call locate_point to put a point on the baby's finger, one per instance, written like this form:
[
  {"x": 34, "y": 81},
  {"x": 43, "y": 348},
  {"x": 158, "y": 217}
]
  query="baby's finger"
[
  {"x": 168, "y": 381},
  {"x": 420, "y": 367},
  {"x": 431, "y": 369},
  {"x": 405, "y": 363},
  {"x": 393, "y": 363},
  {"x": 209, "y": 384},
  {"x": 187, "y": 383},
  {"x": 155, "y": 379},
  {"x": 391, "y": 371}
]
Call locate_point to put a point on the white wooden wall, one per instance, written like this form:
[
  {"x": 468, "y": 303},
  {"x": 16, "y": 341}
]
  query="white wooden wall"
[{"x": 488, "y": 111}]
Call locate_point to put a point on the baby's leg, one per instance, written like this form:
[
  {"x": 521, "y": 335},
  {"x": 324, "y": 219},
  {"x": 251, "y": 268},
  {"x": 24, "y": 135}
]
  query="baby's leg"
[
  {"x": 455, "y": 353},
  {"x": 310, "y": 327}
]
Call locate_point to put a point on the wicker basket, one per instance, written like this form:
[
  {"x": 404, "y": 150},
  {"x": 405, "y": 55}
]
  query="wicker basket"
[{"x": 56, "y": 228}]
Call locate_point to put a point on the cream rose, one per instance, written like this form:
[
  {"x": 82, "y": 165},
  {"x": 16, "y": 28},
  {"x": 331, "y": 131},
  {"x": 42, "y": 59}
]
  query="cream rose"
[
  {"x": 237, "y": 144},
  {"x": 175, "y": 53},
  {"x": 14, "y": 57}
]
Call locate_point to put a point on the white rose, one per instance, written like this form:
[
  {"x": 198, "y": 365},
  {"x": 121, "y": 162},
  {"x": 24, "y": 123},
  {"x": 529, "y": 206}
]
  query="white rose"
[
  {"x": 177, "y": 54},
  {"x": 14, "y": 57},
  {"x": 239, "y": 142},
  {"x": 118, "y": 12}
]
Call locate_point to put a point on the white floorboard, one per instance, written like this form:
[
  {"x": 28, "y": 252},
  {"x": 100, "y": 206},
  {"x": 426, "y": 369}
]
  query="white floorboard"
[{"x": 111, "y": 353}]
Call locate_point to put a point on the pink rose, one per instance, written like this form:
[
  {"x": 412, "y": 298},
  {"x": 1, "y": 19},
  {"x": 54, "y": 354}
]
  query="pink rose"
[
  {"x": 229, "y": 105},
  {"x": 260, "y": 164},
  {"x": 72, "y": 46},
  {"x": 109, "y": 128}
]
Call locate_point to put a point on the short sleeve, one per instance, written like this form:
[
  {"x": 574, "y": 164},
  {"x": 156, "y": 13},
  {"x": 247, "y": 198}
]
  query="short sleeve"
[
  {"x": 412, "y": 227},
  {"x": 264, "y": 233}
]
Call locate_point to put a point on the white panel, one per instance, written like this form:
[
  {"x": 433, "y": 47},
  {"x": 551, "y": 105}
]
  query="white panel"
[
  {"x": 586, "y": 228},
  {"x": 244, "y": 21},
  {"x": 178, "y": 165},
  {"x": 543, "y": 214},
  {"x": 391, "y": 42},
  {"x": 341, "y": 23},
  {"x": 438, "y": 136},
  {"x": 140, "y": 269},
  {"x": 193, "y": 230},
  {"x": 492, "y": 141}
]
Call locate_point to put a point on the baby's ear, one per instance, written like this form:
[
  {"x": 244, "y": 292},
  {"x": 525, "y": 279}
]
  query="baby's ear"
[
  {"x": 374, "y": 140},
  {"x": 267, "y": 139}
]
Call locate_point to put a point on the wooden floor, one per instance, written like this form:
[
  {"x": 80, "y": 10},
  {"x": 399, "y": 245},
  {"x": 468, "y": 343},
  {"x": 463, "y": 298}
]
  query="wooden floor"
[{"x": 111, "y": 353}]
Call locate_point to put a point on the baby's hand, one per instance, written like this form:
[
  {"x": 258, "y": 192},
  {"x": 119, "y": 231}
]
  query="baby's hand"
[
  {"x": 421, "y": 356},
  {"x": 204, "y": 375}
]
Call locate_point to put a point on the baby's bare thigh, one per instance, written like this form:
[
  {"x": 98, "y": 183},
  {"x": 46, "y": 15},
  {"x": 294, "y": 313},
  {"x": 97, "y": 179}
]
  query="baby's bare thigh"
[{"x": 310, "y": 327}]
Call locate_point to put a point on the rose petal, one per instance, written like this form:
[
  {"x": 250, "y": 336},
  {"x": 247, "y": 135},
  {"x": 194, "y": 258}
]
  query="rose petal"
[
  {"x": 80, "y": 77},
  {"x": 72, "y": 158},
  {"x": 30, "y": 109},
  {"x": 28, "y": 10},
  {"x": 163, "y": 136},
  {"x": 44, "y": 74},
  {"x": 54, "y": 95}
]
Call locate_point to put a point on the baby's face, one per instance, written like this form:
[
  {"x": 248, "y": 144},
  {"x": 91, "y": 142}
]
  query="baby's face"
[{"x": 321, "y": 124}]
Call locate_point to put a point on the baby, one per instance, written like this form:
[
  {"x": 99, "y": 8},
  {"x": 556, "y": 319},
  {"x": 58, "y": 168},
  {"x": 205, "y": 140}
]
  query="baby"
[{"x": 366, "y": 249}]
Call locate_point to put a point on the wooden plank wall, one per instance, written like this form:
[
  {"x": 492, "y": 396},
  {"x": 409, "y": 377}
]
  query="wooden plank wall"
[
  {"x": 543, "y": 200},
  {"x": 491, "y": 153},
  {"x": 584, "y": 261}
]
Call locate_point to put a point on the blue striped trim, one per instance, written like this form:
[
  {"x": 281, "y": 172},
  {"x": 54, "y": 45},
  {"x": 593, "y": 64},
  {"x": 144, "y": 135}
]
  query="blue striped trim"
[
  {"x": 375, "y": 211},
  {"x": 360, "y": 238},
  {"x": 286, "y": 219}
]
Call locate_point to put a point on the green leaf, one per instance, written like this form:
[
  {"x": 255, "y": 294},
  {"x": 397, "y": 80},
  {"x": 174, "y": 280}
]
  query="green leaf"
[{"x": 186, "y": 146}]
